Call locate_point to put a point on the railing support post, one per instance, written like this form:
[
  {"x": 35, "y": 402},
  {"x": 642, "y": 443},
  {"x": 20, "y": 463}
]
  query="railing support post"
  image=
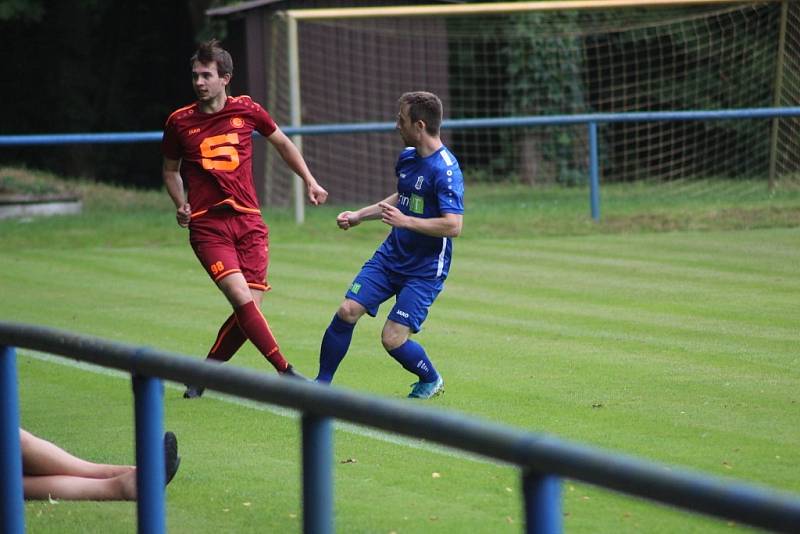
[
  {"x": 542, "y": 495},
  {"x": 317, "y": 475},
  {"x": 594, "y": 172},
  {"x": 12, "y": 505},
  {"x": 150, "y": 471}
]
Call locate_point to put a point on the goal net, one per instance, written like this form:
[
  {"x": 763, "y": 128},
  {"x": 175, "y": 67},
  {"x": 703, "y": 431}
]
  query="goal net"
[{"x": 540, "y": 61}]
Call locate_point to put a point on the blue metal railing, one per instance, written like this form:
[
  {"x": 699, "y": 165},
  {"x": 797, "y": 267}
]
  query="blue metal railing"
[
  {"x": 590, "y": 119},
  {"x": 372, "y": 127},
  {"x": 12, "y": 511},
  {"x": 543, "y": 460}
]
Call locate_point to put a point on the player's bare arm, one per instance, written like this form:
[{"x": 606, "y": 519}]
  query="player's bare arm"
[
  {"x": 448, "y": 225},
  {"x": 294, "y": 159},
  {"x": 348, "y": 219},
  {"x": 170, "y": 172}
]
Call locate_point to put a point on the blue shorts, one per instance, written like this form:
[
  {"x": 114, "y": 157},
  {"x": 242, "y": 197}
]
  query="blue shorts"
[{"x": 375, "y": 284}]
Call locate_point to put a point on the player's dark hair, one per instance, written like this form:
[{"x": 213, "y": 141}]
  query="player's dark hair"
[
  {"x": 211, "y": 52},
  {"x": 426, "y": 107}
]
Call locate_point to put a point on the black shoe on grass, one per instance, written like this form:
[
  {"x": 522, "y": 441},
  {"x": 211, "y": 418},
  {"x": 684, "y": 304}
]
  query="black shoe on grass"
[
  {"x": 193, "y": 392},
  {"x": 291, "y": 372},
  {"x": 171, "y": 458}
]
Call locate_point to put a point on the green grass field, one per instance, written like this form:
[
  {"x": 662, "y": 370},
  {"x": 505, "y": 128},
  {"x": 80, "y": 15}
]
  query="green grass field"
[{"x": 668, "y": 331}]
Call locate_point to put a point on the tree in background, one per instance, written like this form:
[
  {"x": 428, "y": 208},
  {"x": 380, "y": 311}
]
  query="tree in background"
[
  {"x": 545, "y": 78},
  {"x": 694, "y": 63},
  {"x": 645, "y": 59},
  {"x": 94, "y": 66},
  {"x": 539, "y": 69}
]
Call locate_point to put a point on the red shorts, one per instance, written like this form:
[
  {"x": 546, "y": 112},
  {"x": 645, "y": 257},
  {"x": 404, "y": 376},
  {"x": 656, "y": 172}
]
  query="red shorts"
[{"x": 227, "y": 242}]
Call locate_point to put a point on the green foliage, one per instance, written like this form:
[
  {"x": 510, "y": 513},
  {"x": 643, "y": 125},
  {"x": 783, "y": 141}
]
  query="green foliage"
[
  {"x": 11, "y": 184},
  {"x": 544, "y": 68},
  {"x": 96, "y": 66},
  {"x": 643, "y": 59},
  {"x": 688, "y": 60},
  {"x": 542, "y": 60},
  {"x": 31, "y": 10},
  {"x": 544, "y": 73},
  {"x": 712, "y": 77}
]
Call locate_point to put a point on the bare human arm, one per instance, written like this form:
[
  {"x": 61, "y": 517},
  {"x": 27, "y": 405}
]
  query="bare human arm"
[
  {"x": 448, "y": 225},
  {"x": 294, "y": 159},
  {"x": 170, "y": 172},
  {"x": 348, "y": 219}
]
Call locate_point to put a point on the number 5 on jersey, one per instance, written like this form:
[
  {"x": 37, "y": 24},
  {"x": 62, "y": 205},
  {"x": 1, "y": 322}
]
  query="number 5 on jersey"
[{"x": 219, "y": 146}]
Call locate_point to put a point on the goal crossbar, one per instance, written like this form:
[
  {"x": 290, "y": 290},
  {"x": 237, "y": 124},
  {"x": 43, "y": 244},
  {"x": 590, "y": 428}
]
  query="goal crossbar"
[{"x": 502, "y": 7}]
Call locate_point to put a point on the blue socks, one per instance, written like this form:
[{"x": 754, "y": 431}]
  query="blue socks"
[
  {"x": 412, "y": 357},
  {"x": 334, "y": 346},
  {"x": 337, "y": 339}
]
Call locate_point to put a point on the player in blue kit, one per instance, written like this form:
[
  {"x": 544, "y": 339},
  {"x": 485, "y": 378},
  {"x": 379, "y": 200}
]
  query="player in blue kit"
[{"x": 412, "y": 263}]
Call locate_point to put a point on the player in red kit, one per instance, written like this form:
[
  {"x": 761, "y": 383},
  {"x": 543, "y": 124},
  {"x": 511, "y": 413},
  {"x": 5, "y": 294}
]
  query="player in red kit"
[{"x": 209, "y": 144}]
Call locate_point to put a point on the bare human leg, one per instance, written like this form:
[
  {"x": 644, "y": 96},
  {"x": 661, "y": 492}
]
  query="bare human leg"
[
  {"x": 41, "y": 458},
  {"x": 51, "y": 472},
  {"x": 118, "y": 488}
]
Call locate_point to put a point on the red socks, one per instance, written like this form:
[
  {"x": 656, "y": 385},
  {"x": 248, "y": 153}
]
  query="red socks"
[
  {"x": 229, "y": 339},
  {"x": 253, "y": 324}
]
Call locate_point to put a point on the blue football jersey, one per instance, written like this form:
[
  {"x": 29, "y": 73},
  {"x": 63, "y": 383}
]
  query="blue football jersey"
[{"x": 427, "y": 187}]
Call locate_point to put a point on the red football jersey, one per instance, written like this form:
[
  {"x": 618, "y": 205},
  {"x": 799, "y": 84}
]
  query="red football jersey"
[{"x": 216, "y": 152}]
